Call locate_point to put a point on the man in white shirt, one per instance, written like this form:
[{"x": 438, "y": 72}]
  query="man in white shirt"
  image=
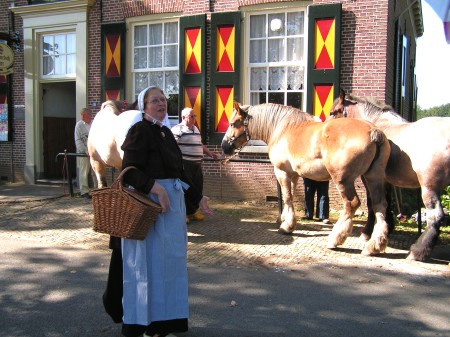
[
  {"x": 82, "y": 129},
  {"x": 190, "y": 142}
]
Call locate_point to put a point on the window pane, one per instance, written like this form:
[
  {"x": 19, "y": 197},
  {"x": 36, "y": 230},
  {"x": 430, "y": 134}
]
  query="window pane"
[
  {"x": 155, "y": 34},
  {"x": 276, "y": 78},
  {"x": 156, "y": 78},
  {"x": 60, "y": 65},
  {"x": 295, "y": 78},
  {"x": 155, "y": 57},
  {"x": 140, "y": 58},
  {"x": 171, "y": 32},
  {"x": 257, "y": 98},
  {"x": 257, "y": 26},
  {"x": 295, "y": 25},
  {"x": 47, "y": 65},
  {"x": 47, "y": 45},
  {"x": 276, "y": 24},
  {"x": 276, "y": 50},
  {"x": 172, "y": 104},
  {"x": 71, "y": 64},
  {"x": 257, "y": 51},
  {"x": 276, "y": 97},
  {"x": 294, "y": 99},
  {"x": 295, "y": 49},
  {"x": 172, "y": 82},
  {"x": 140, "y": 36},
  {"x": 71, "y": 43},
  {"x": 171, "y": 56},
  {"x": 140, "y": 82},
  {"x": 258, "y": 79},
  {"x": 60, "y": 44}
]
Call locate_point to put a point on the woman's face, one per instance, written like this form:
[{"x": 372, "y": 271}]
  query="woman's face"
[{"x": 155, "y": 104}]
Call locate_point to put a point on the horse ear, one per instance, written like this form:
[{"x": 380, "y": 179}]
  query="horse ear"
[
  {"x": 341, "y": 94},
  {"x": 236, "y": 106}
]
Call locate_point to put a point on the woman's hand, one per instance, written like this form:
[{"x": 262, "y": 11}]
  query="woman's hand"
[
  {"x": 163, "y": 198},
  {"x": 204, "y": 207}
]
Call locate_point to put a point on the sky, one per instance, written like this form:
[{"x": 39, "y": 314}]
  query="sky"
[{"x": 432, "y": 62}]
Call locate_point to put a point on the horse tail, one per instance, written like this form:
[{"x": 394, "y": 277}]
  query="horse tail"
[{"x": 377, "y": 136}]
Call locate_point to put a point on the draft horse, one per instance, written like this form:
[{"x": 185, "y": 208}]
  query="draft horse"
[
  {"x": 108, "y": 131},
  {"x": 299, "y": 146},
  {"x": 419, "y": 157}
]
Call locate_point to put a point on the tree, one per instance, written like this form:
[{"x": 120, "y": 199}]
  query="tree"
[{"x": 440, "y": 111}]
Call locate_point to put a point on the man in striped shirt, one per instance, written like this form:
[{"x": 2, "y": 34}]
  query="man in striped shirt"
[{"x": 190, "y": 142}]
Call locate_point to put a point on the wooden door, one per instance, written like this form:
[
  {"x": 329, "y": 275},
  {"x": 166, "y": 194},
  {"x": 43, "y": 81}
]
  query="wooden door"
[{"x": 58, "y": 136}]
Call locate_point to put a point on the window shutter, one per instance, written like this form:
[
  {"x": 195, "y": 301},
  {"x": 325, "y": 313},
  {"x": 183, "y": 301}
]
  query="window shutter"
[
  {"x": 324, "y": 57},
  {"x": 113, "y": 61},
  {"x": 224, "y": 71},
  {"x": 192, "y": 71}
]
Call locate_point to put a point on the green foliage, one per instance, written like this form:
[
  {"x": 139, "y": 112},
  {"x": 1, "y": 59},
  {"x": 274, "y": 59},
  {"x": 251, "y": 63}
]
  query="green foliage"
[
  {"x": 440, "y": 111},
  {"x": 445, "y": 198}
]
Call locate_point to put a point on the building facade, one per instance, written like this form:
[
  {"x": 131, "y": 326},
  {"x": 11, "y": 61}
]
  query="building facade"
[{"x": 204, "y": 54}]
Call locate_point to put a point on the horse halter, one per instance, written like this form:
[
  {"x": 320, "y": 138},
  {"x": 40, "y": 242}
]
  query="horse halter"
[{"x": 247, "y": 135}]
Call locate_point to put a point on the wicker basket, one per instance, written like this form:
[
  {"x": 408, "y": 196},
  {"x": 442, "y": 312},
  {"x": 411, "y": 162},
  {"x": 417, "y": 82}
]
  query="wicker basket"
[{"x": 123, "y": 212}]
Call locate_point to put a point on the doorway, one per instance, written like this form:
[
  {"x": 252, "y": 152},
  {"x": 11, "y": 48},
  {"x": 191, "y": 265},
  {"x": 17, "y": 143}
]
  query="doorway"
[{"x": 59, "y": 118}]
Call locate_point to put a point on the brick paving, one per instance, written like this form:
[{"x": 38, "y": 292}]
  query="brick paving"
[{"x": 239, "y": 234}]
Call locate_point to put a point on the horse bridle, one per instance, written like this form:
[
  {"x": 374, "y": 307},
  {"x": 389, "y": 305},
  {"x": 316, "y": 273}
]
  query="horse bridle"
[{"x": 247, "y": 135}]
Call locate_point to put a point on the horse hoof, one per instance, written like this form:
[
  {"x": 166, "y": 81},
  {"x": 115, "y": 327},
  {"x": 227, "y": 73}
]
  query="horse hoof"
[
  {"x": 283, "y": 231},
  {"x": 364, "y": 237}
]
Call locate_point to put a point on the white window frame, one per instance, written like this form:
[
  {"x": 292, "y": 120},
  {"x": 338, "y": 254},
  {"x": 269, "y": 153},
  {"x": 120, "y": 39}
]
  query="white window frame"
[
  {"x": 146, "y": 21},
  {"x": 65, "y": 75},
  {"x": 302, "y": 64}
]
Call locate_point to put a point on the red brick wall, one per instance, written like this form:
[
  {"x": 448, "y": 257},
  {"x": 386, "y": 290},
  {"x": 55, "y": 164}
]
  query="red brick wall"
[
  {"x": 14, "y": 152},
  {"x": 366, "y": 70}
]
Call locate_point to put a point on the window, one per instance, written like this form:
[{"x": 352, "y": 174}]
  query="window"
[
  {"x": 58, "y": 55},
  {"x": 155, "y": 60},
  {"x": 276, "y": 59}
]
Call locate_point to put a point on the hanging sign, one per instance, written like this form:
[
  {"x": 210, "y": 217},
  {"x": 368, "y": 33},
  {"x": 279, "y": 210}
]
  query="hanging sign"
[{"x": 6, "y": 59}]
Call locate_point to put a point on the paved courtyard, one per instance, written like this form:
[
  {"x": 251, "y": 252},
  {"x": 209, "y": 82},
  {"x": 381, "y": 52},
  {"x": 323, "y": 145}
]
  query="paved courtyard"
[{"x": 239, "y": 234}]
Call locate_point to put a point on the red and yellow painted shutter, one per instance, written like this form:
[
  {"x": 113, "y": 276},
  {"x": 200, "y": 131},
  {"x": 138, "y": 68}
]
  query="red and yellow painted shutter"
[
  {"x": 225, "y": 70},
  {"x": 323, "y": 57},
  {"x": 192, "y": 67},
  {"x": 113, "y": 61}
]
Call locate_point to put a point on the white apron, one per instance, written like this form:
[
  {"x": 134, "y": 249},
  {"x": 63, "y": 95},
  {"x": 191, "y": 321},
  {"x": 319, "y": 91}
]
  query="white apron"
[{"x": 155, "y": 280}]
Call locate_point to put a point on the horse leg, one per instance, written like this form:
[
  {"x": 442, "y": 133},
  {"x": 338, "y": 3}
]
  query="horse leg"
[
  {"x": 287, "y": 220},
  {"x": 422, "y": 248},
  {"x": 379, "y": 238},
  {"x": 367, "y": 231},
  {"x": 343, "y": 227},
  {"x": 100, "y": 172}
]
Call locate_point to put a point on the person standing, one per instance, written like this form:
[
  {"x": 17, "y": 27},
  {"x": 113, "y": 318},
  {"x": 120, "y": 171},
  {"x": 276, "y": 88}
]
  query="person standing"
[
  {"x": 82, "y": 129},
  {"x": 189, "y": 140},
  {"x": 323, "y": 200},
  {"x": 155, "y": 280}
]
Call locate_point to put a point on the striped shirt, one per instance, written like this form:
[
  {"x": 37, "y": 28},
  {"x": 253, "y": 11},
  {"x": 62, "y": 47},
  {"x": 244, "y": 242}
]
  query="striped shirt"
[{"x": 189, "y": 141}]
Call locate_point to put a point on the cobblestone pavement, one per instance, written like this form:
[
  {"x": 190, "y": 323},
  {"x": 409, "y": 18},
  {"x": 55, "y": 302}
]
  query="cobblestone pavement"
[{"x": 239, "y": 234}]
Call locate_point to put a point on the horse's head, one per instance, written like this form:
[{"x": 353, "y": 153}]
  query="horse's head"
[
  {"x": 340, "y": 106},
  {"x": 237, "y": 134}
]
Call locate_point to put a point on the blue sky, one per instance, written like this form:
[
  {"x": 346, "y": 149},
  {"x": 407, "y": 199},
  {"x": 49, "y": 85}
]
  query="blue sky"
[{"x": 432, "y": 62}]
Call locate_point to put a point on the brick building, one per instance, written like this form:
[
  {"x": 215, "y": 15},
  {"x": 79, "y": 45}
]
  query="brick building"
[{"x": 203, "y": 53}]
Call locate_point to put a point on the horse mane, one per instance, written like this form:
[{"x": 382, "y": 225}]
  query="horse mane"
[
  {"x": 268, "y": 117},
  {"x": 115, "y": 106},
  {"x": 373, "y": 108}
]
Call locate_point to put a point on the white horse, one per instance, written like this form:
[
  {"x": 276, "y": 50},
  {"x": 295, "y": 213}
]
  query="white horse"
[{"x": 108, "y": 131}]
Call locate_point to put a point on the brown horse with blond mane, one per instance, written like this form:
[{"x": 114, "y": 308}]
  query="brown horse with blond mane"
[
  {"x": 300, "y": 146},
  {"x": 419, "y": 157}
]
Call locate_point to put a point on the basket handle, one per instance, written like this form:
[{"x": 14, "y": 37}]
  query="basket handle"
[{"x": 118, "y": 183}]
